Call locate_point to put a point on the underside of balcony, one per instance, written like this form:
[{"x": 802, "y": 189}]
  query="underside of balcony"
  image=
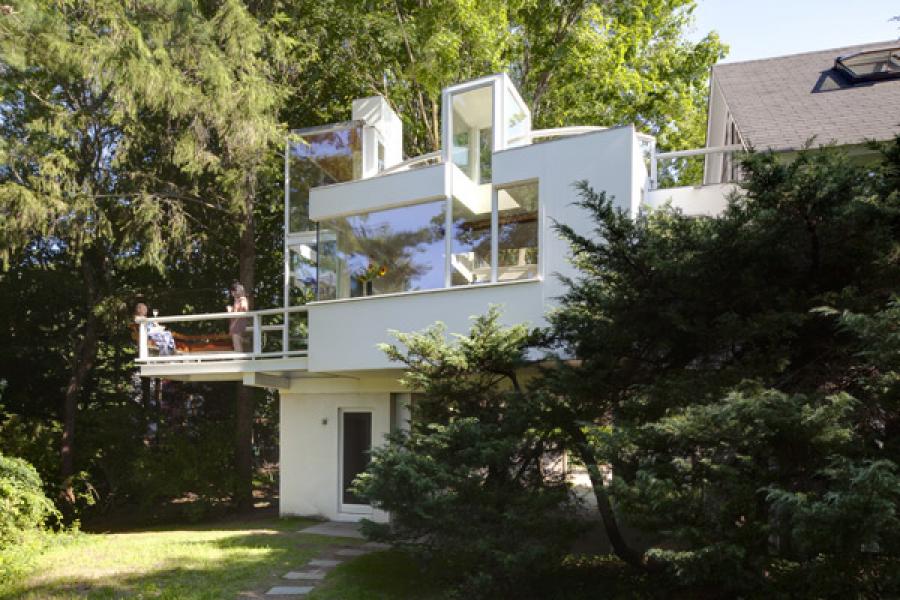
[{"x": 261, "y": 372}]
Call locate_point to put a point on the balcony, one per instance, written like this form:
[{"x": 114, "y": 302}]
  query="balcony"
[
  {"x": 274, "y": 342},
  {"x": 374, "y": 243},
  {"x": 720, "y": 173}
]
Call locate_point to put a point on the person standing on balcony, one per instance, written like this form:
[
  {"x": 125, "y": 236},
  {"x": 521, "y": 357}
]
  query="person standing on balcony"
[{"x": 237, "y": 327}]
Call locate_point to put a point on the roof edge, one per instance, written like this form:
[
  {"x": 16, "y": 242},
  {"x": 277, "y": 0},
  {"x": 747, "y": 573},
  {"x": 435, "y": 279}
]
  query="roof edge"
[{"x": 868, "y": 46}]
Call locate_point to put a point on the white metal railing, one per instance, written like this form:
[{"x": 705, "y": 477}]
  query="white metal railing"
[
  {"x": 656, "y": 157},
  {"x": 536, "y": 134},
  {"x": 257, "y": 329},
  {"x": 413, "y": 162}
]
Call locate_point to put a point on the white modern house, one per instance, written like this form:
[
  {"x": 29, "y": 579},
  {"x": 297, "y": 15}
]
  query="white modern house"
[{"x": 375, "y": 243}]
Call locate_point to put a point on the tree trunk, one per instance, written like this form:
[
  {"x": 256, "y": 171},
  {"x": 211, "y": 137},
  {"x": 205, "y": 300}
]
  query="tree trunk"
[
  {"x": 243, "y": 493},
  {"x": 82, "y": 362},
  {"x": 604, "y": 507}
]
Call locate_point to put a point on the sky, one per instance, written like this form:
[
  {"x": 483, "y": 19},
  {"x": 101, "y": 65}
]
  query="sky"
[{"x": 763, "y": 28}]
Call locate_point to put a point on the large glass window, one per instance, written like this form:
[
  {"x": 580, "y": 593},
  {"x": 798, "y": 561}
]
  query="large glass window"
[
  {"x": 517, "y": 231},
  {"x": 470, "y": 260},
  {"x": 316, "y": 157},
  {"x": 395, "y": 250},
  {"x": 472, "y": 140}
]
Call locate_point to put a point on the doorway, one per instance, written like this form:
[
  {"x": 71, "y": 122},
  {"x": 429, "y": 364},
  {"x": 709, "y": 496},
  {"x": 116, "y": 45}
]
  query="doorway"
[{"x": 355, "y": 453}]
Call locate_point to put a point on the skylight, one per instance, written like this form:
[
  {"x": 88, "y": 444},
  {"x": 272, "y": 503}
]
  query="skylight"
[{"x": 871, "y": 65}]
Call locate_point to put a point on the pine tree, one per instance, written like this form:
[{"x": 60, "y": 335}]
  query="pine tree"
[
  {"x": 738, "y": 374},
  {"x": 125, "y": 126}
]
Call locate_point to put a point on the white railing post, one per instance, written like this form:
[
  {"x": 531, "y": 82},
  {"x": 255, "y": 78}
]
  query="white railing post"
[
  {"x": 142, "y": 340},
  {"x": 257, "y": 334},
  {"x": 654, "y": 168}
]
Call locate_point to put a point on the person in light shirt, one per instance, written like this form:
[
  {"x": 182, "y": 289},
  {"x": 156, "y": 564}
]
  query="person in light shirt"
[{"x": 156, "y": 333}]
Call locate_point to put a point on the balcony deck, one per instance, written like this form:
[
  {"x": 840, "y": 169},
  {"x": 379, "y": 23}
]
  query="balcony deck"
[{"x": 276, "y": 346}]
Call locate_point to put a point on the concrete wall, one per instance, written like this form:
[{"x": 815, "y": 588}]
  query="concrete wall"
[
  {"x": 378, "y": 193},
  {"x": 309, "y": 446},
  {"x": 603, "y": 159},
  {"x": 344, "y": 334},
  {"x": 709, "y": 200}
]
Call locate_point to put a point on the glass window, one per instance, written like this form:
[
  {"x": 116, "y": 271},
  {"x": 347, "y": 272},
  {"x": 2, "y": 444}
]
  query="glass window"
[
  {"x": 472, "y": 134},
  {"x": 302, "y": 269},
  {"x": 470, "y": 260},
  {"x": 871, "y": 65},
  {"x": 516, "y": 120},
  {"x": 517, "y": 230},
  {"x": 395, "y": 250},
  {"x": 318, "y": 159}
]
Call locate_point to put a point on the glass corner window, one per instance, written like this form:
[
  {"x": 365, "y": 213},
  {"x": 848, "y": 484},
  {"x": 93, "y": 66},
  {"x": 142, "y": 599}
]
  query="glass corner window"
[
  {"x": 515, "y": 120},
  {"x": 320, "y": 157},
  {"x": 472, "y": 139},
  {"x": 517, "y": 231}
]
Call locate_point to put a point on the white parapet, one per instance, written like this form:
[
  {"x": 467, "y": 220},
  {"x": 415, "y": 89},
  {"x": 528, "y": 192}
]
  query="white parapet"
[{"x": 701, "y": 200}]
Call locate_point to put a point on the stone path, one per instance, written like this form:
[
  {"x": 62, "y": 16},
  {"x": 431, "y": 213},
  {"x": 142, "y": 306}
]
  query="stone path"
[{"x": 314, "y": 571}]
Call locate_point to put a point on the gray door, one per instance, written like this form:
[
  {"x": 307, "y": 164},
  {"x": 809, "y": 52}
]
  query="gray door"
[{"x": 356, "y": 447}]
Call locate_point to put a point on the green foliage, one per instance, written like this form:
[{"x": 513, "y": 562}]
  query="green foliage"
[
  {"x": 740, "y": 374},
  {"x": 24, "y": 514},
  {"x": 140, "y": 141},
  {"x": 576, "y": 62},
  {"x": 466, "y": 486}
]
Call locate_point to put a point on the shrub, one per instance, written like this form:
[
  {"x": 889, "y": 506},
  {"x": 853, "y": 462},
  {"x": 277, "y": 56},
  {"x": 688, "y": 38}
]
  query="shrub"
[
  {"x": 24, "y": 514},
  {"x": 741, "y": 375},
  {"x": 466, "y": 487}
]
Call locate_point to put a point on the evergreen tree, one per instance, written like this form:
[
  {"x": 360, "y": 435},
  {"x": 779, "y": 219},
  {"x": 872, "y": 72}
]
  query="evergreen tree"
[
  {"x": 470, "y": 486},
  {"x": 738, "y": 374},
  {"x": 125, "y": 126}
]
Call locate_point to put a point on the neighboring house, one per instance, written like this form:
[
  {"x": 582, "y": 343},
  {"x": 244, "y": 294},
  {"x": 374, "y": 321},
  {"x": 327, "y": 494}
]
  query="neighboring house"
[{"x": 374, "y": 243}]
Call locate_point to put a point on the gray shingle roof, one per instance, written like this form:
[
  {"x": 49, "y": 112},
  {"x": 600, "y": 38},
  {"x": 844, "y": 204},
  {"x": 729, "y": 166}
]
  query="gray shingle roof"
[{"x": 782, "y": 102}]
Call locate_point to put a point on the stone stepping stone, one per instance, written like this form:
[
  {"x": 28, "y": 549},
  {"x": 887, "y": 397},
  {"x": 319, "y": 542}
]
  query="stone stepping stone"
[
  {"x": 335, "y": 529},
  {"x": 324, "y": 562},
  {"x": 351, "y": 552},
  {"x": 290, "y": 590},
  {"x": 314, "y": 574}
]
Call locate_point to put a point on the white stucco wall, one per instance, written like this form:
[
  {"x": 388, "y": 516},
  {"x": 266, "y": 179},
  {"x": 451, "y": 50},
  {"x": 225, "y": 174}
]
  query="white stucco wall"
[
  {"x": 344, "y": 334},
  {"x": 309, "y": 447},
  {"x": 378, "y": 193},
  {"x": 603, "y": 158},
  {"x": 708, "y": 200}
]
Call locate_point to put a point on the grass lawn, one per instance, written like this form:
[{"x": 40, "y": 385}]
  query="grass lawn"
[
  {"x": 380, "y": 576},
  {"x": 220, "y": 560}
]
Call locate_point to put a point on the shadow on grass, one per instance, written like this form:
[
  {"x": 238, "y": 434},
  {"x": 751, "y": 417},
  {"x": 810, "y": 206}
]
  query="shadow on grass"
[
  {"x": 389, "y": 575},
  {"x": 235, "y": 560}
]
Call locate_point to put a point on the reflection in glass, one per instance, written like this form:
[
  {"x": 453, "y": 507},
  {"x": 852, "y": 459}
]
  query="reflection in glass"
[
  {"x": 302, "y": 269},
  {"x": 472, "y": 135},
  {"x": 321, "y": 159},
  {"x": 517, "y": 207},
  {"x": 395, "y": 250},
  {"x": 316, "y": 158},
  {"x": 470, "y": 260},
  {"x": 515, "y": 119}
]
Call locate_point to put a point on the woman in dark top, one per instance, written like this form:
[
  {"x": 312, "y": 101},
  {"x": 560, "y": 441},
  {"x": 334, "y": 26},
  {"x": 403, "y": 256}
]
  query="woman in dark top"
[{"x": 237, "y": 327}]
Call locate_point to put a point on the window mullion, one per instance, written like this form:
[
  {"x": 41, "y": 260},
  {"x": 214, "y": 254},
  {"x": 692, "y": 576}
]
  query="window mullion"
[{"x": 495, "y": 229}]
